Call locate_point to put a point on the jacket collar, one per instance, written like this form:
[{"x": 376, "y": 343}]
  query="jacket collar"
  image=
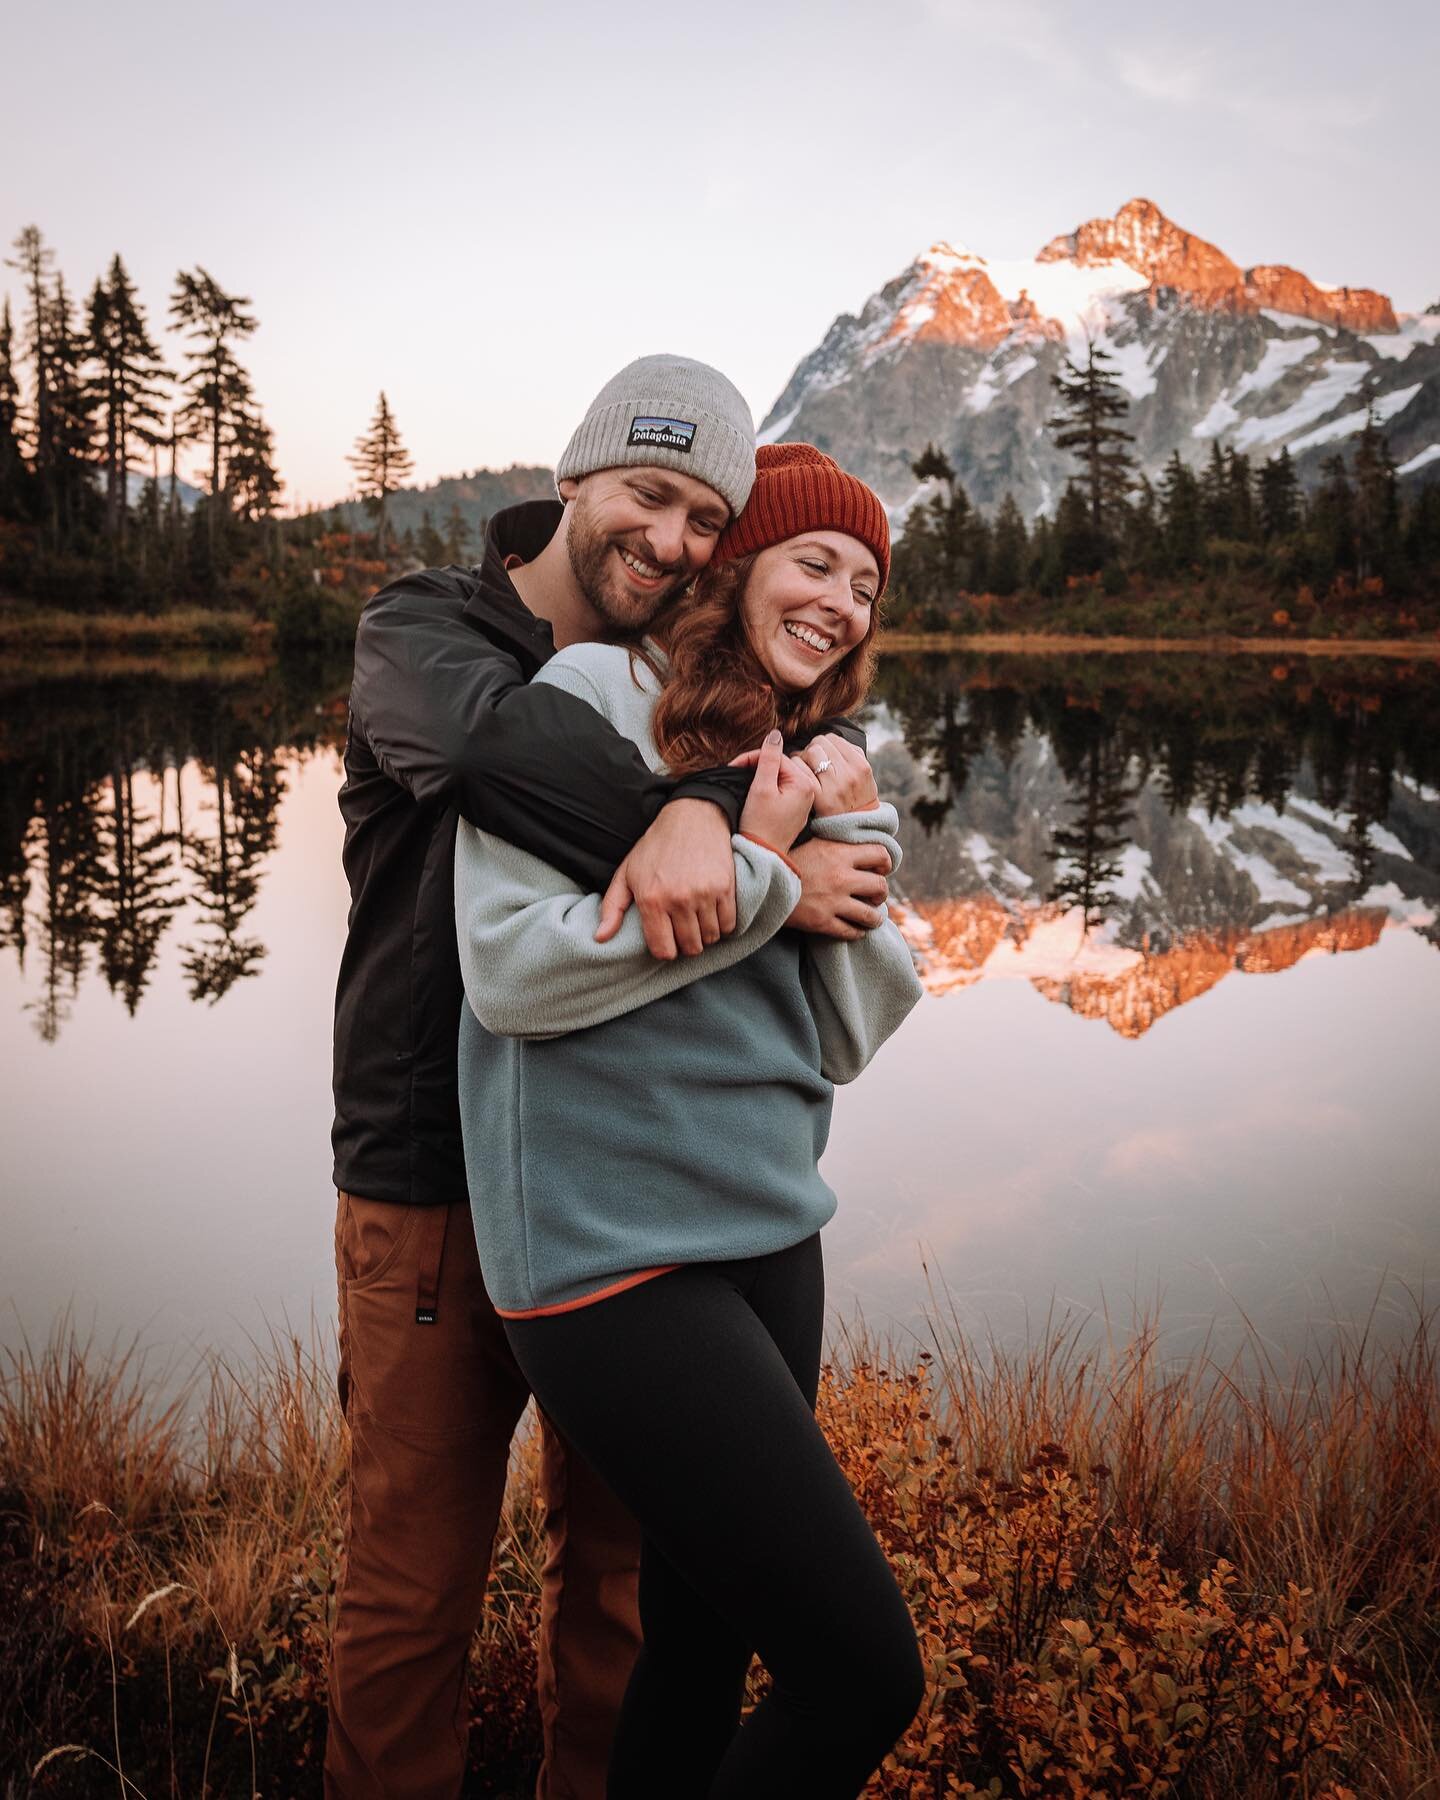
[{"x": 493, "y": 603}]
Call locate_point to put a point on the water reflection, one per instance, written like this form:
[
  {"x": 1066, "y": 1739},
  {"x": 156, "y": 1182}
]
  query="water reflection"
[
  {"x": 99, "y": 855},
  {"x": 1093, "y": 849},
  {"x": 1123, "y": 834}
]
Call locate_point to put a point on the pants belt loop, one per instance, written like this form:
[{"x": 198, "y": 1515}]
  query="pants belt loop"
[{"x": 431, "y": 1254}]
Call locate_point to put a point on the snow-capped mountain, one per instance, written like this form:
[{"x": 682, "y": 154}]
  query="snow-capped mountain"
[
  {"x": 959, "y": 351},
  {"x": 1196, "y": 899}
]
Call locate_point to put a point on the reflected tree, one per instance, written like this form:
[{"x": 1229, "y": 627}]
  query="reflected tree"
[
  {"x": 68, "y": 857},
  {"x": 227, "y": 869},
  {"x": 135, "y": 890},
  {"x": 1088, "y": 849}
]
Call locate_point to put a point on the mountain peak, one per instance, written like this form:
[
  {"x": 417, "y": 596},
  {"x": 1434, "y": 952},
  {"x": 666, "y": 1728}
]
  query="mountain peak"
[
  {"x": 949, "y": 298},
  {"x": 1152, "y": 245},
  {"x": 1141, "y": 236},
  {"x": 946, "y": 258}
]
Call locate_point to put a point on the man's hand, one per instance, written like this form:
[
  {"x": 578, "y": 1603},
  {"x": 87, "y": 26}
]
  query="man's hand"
[
  {"x": 842, "y": 888},
  {"x": 681, "y": 875}
]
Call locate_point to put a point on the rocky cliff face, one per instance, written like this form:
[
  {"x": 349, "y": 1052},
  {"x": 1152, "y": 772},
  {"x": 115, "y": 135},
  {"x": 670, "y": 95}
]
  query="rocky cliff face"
[
  {"x": 1145, "y": 240},
  {"x": 959, "y": 351}
]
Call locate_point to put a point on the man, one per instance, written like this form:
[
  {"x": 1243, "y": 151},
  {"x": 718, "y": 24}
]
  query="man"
[{"x": 441, "y": 723}]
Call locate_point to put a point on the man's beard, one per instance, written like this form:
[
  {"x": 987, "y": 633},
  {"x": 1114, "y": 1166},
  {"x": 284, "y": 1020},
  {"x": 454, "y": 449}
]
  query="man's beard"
[{"x": 621, "y": 609}]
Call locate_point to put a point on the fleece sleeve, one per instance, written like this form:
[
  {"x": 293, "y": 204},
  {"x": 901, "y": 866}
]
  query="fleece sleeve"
[
  {"x": 859, "y": 992},
  {"x": 528, "y": 955}
]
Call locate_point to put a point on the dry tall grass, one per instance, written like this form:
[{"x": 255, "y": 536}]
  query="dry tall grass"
[{"x": 1129, "y": 1577}]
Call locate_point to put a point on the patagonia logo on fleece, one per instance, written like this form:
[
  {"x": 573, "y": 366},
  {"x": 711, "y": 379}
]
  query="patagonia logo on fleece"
[{"x": 662, "y": 434}]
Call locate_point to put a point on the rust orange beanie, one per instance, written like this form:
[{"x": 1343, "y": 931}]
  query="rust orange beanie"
[{"x": 798, "y": 488}]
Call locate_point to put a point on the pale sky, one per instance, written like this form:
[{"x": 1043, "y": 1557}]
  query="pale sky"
[{"x": 486, "y": 210}]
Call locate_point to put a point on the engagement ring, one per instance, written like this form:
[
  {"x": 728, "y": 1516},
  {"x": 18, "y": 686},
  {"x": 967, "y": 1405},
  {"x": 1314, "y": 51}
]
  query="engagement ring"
[{"x": 822, "y": 765}]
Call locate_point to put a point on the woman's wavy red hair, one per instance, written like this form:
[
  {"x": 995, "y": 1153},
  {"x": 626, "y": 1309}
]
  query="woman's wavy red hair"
[{"x": 717, "y": 698}]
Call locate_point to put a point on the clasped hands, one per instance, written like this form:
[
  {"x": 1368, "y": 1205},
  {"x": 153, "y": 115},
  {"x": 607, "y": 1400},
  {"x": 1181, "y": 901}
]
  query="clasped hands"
[{"x": 681, "y": 874}]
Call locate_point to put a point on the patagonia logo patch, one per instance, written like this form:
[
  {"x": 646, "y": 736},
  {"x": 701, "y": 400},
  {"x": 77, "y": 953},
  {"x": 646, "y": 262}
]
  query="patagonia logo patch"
[{"x": 662, "y": 434}]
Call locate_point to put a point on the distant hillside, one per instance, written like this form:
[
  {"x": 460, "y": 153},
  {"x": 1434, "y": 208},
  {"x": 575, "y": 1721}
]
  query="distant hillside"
[
  {"x": 478, "y": 496},
  {"x": 185, "y": 492}
]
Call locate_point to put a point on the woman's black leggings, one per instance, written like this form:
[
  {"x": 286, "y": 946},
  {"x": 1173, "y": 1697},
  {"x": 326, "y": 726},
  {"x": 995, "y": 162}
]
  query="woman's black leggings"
[{"x": 693, "y": 1395}]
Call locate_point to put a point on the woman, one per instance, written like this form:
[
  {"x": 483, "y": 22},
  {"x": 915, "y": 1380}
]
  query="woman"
[{"x": 642, "y": 1140}]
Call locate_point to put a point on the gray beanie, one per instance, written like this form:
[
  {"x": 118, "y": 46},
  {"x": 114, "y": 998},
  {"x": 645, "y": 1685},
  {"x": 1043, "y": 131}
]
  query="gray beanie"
[{"x": 668, "y": 412}]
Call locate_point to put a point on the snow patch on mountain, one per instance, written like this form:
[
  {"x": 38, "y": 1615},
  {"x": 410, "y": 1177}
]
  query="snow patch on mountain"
[
  {"x": 1295, "y": 321},
  {"x": 1134, "y": 873},
  {"x": 1338, "y": 381},
  {"x": 776, "y": 430},
  {"x": 1386, "y": 406},
  {"x": 984, "y": 391},
  {"x": 1415, "y": 329},
  {"x": 1221, "y": 416},
  {"x": 1081, "y": 300},
  {"x": 1428, "y": 455},
  {"x": 1279, "y": 355},
  {"x": 1133, "y": 365}
]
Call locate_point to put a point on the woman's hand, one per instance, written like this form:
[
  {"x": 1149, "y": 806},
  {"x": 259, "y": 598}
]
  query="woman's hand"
[
  {"x": 781, "y": 795},
  {"x": 847, "y": 782}
]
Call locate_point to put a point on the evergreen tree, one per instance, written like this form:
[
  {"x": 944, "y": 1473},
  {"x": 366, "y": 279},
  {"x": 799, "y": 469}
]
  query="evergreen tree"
[
  {"x": 126, "y": 386},
  {"x": 381, "y": 462},
  {"x": 933, "y": 464},
  {"x": 1377, "y": 502},
  {"x": 1180, "y": 509},
  {"x": 217, "y": 387},
  {"x": 1332, "y": 516},
  {"x": 34, "y": 259},
  {"x": 1144, "y": 534},
  {"x": 72, "y": 418},
  {"x": 1215, "y": 495},
  {"x": 1090, "y": 400},
  {"x": 432, "y": 549},
  {"x": 1279, "y": 497},
  {"x": 1240, "y": 494},
  {"x": 1422, "y": 529},
  {"x": 1080, "y": 545},
  {"x": 457, "y": 536},
  {"x": 1009, "y": 548},
  {"x": 1044, "y": 573},
  {"x": 14, "y": 476},
  {"x": 250, "y": 470}
]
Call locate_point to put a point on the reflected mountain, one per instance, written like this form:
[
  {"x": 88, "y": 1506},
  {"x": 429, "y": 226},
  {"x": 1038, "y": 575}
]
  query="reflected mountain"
[
  {"x": 1125, "y": 836},
  {"x": 1121, "y": 832}
]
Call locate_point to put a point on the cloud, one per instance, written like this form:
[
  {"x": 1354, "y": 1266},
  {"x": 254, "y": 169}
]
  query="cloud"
[
  {"x": 1033, "y": 29},
  {"x": 1173, "y": 74}
]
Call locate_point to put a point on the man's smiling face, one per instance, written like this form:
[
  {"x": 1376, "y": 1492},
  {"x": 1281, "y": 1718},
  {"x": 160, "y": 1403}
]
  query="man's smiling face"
[{"x": 635, "y": 536}]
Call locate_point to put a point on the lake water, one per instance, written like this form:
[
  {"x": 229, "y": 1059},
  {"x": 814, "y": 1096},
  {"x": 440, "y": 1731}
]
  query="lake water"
[{"x": 1177, "y": 919}]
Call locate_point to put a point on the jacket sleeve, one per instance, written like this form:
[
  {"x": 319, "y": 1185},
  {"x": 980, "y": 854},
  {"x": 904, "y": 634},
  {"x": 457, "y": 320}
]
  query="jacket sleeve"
[
  {"x": 528, "y": 955},
  {"x": 449, "y": 717},
  {"x": 861, "y": 992}
]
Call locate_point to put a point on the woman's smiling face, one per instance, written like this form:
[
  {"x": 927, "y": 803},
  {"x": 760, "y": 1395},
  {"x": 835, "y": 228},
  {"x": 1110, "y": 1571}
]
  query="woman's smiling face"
[{"x": 807, "y": 603}]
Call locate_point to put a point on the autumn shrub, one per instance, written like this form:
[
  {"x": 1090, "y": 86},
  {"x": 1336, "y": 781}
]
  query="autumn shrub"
[
  {"x": 1128, "y": 1576},
  {"x": 1064, "y": 1657}
]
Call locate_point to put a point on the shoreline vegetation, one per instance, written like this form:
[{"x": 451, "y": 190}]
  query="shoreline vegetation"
[
  {"x": 103, "y": 540},
  {"x": 1131, "y": 1576},
  {"x": 24, "y": 628}
]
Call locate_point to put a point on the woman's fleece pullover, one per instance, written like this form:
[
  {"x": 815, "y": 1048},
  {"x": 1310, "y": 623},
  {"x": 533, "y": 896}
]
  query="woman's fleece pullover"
[{"x": 623, "y": 1116}]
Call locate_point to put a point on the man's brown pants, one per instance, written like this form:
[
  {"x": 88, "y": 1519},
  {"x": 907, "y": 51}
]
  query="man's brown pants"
[{"x": 432, "y": 1396}]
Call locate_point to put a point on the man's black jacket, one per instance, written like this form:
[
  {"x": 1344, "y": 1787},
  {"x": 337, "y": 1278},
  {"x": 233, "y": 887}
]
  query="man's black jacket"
[{"x": 442, "y": 724}]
